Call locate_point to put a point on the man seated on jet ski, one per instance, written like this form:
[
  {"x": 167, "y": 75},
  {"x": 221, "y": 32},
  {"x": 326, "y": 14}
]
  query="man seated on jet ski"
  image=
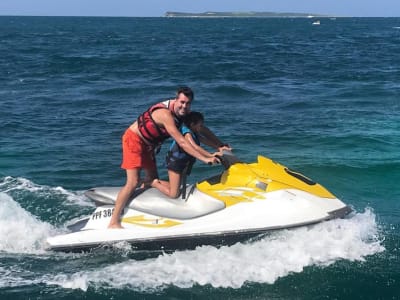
[
  {"x": 148, "y": 132},
  {"x": 178, "y": 162}
]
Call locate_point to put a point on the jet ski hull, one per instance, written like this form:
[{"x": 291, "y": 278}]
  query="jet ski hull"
[
  {"x": 242, "y": 203},
  {"x": 185, "y": 242}
]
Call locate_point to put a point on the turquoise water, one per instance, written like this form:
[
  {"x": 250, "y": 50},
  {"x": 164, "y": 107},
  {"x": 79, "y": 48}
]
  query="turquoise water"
[{"x": 323, "y": 100}]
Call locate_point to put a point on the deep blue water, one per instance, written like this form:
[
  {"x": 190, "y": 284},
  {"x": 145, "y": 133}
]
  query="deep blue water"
[{"x": 323, "y": 100}]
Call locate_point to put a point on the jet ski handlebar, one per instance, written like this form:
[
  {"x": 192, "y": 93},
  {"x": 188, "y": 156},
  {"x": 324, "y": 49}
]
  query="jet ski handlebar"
[{"x": 227, "y": 159}]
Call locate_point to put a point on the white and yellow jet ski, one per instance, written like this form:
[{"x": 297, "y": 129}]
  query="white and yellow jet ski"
[{"x": 242, "y": 202}]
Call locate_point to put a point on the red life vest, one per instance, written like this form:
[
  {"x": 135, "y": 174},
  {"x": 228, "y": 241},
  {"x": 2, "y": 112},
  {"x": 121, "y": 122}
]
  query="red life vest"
[{"x": 150, "y": 130}]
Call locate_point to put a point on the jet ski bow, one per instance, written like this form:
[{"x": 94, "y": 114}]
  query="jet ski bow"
[{"x": 242, "y": 202}]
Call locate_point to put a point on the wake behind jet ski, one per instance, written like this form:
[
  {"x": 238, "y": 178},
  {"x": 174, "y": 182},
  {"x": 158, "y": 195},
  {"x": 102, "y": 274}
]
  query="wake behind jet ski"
[{"x": 242, "y": 202}]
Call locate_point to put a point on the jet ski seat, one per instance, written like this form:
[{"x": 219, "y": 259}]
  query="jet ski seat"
[{"x": 154, "y": 202}]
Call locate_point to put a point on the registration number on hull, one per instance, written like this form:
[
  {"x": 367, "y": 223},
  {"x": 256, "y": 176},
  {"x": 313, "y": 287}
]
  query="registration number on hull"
[{"x": 101, "y": 214}]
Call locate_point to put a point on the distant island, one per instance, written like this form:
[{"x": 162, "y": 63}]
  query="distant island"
[{"x": 211, "y": 14}]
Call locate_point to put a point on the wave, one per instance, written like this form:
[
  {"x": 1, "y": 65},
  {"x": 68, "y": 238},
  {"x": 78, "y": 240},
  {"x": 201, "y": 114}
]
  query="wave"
[
  {"x": 262, "y": 261},
  {"x": 21, "y": 232},
  {"x": 30, "y": 212},
  {"x": 18, "y": 185}
]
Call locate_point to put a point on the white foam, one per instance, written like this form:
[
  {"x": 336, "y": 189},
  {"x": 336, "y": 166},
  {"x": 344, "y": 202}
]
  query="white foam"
[
  {"x": 20, "y": 232},
  {"x": 262, "y": 261}
]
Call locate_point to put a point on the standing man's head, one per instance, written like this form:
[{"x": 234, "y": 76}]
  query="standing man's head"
[
  {"x": 185, "y": 90},
  {"x": 184, "y": 98}
]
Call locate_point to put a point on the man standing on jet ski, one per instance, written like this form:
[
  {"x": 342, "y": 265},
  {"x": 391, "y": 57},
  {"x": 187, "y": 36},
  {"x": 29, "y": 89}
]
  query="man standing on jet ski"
[{"x": 147, "y": 133}]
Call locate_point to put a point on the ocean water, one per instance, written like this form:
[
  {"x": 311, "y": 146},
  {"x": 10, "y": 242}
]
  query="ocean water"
[{"x": 323, "y": 100}]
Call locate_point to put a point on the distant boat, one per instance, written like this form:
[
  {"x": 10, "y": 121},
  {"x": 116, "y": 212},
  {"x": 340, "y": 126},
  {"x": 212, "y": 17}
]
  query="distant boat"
[{"x": 317, "y": 22}]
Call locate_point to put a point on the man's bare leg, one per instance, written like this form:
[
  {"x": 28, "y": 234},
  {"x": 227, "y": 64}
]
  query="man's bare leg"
[
  {"x": 132, "y": 179},
  {"x": 171, "y": 188}
]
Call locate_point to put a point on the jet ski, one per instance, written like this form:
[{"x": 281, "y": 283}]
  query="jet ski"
[{"x": 244, "y": 201}]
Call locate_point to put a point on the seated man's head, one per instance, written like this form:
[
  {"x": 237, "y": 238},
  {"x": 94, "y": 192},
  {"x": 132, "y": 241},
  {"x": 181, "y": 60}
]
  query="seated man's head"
[{"x": 194, "y": 120}]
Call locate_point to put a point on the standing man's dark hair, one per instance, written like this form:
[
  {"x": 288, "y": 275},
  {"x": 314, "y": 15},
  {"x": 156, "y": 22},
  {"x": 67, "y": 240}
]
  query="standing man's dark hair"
[{"x": 187, "y": 91}]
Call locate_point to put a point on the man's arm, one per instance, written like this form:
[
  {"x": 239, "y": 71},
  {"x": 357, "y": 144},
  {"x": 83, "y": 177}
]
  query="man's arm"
[
  {"x": 210, "y": 139},
  {"x": 164, "y": 117},
  {"x": 188, "y": 136}
]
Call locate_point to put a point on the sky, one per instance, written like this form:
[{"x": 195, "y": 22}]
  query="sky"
[{"x": 157, "y": 8}]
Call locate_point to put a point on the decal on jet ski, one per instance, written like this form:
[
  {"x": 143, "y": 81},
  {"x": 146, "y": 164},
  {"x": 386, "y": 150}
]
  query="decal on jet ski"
[
  {"x": 150, "y": 222},
  {"x": 235, "y": 195},
  {"x": 105, "y": 213}
]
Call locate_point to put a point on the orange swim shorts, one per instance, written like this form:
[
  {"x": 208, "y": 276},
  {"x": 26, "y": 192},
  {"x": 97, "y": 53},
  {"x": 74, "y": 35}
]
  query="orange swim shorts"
[{"x": 136, "y": 154}]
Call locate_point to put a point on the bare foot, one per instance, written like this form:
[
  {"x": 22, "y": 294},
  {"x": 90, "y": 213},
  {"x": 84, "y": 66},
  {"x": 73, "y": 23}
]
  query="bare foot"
[
  {"x": 155, "y": 182},
  {"x": 146, "y": 184},
  {"x": 115, "y": 226}
]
